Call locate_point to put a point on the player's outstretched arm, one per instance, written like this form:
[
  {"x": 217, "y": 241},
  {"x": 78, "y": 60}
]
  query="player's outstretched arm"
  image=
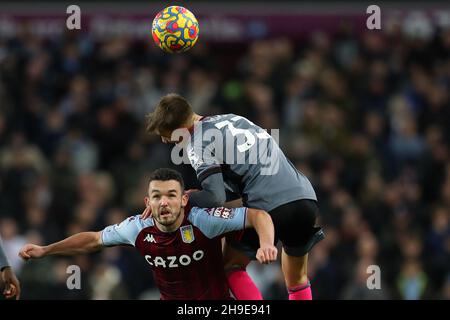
[
  {"x": 262, "y": 222},
  {"x": 80, "y": 243}
]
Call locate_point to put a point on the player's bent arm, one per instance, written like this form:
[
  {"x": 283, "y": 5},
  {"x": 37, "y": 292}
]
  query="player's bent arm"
[
  {"x": 80, "y": 243},
  {"x": 262, "y": 222},
  {"x": 212, "y": 194}
]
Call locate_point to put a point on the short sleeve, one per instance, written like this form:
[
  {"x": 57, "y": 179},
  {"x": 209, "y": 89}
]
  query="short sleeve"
[
  {"x": 124, "y": 233},
  {"x": 214, "y": 222}
]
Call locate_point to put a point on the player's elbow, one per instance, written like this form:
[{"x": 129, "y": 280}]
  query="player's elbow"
[
  {"x": 216, "y": 200},
  {"x": 96, "y": 243},
  {"x": 208, "y": 199}
]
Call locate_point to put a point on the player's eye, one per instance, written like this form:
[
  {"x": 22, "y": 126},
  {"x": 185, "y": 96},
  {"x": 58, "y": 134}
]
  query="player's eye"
[{"x": 156, "y": 197}]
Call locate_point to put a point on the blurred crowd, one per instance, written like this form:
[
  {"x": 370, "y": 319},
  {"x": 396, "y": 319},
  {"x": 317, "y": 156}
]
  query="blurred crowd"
[{"x": 365, "y": 117}]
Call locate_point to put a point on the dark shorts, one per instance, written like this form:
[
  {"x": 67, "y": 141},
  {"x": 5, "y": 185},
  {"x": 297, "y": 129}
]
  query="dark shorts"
[{"x": 294, "y": 226}]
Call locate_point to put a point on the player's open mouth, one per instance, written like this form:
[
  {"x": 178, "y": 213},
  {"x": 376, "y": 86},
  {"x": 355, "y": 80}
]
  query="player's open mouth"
[{"x": 165, "y": 213}]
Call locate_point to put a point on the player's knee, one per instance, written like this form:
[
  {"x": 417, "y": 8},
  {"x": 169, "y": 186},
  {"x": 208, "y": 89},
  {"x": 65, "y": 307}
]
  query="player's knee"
[
  {"x": 302, "y": 274},
  {"x": 295, "y": 269},
  {"x": 303, "y": 278},
  {"x": 296, "y": 280}
]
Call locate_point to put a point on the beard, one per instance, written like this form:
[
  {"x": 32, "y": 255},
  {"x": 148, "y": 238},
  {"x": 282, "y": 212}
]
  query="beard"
[{"x": 167, "y": 219}]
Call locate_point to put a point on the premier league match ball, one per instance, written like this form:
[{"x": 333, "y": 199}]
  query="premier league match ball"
[{"x": 175, "y": 29}]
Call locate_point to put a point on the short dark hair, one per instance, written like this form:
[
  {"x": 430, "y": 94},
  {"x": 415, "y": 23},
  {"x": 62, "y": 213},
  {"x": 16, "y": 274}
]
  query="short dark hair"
[
  {"x": 166, "y": 174},
  {"x": 171, "y": 113}
]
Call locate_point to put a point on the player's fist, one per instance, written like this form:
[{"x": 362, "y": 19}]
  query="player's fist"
[
  {"x": 12, "y": 285},
  {"x": 147, "y": 213},
  {"x": 267, "y": 254},
  {"x": 31, "y": 251}
]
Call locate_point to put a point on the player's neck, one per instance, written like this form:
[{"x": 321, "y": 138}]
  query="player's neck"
[{"x": 195, "y": 118}]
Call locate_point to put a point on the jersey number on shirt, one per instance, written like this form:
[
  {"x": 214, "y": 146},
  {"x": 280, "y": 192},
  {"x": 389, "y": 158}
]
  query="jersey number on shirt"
[{"x": 249, "y": 137}]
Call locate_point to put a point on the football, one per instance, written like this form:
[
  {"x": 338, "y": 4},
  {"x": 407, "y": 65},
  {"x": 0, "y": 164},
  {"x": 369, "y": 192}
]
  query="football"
[{"x": 175, "y": 29}]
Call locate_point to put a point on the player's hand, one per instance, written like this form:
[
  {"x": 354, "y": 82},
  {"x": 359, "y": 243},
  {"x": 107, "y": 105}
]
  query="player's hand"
[
  {"x": 147, "y": 213},
  {"x": 12, "y": 284},
  {"x": 31, "y": 251},
  {"x": 267, "y": 254}
]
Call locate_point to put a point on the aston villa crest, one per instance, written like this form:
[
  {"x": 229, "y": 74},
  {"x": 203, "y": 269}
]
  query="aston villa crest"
[{"x": 187, "y": 234}]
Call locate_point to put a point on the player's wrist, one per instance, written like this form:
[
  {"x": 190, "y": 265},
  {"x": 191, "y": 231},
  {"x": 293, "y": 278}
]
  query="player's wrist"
[
  {"x": 267, "y": 244},
  {"x": 47, "y": 250}
]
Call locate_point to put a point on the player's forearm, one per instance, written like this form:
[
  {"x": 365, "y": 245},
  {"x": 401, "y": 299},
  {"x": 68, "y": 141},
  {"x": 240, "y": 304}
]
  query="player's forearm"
[
  {"x": 262, "y": 222},
  {"x": 80, "y": 243}
]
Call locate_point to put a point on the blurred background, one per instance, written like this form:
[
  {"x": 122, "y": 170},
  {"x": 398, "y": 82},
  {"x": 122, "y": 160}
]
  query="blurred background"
[{"x": 365, "y": 114}]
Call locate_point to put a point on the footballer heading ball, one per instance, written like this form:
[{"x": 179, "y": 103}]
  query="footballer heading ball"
[{"x": 175, "y": 29}]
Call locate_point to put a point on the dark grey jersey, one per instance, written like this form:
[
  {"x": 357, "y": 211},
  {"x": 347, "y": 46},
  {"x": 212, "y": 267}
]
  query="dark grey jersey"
[{"x": 251, "y": 163}]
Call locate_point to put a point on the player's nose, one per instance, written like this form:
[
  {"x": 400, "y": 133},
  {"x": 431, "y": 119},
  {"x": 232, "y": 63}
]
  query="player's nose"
[{"x": 164, "y": 202}]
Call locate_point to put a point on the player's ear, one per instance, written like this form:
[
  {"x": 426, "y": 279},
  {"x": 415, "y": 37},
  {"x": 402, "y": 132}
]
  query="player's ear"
[
  {"x": 147, "y": 201},
  {"x": 184, "y": 199}
]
